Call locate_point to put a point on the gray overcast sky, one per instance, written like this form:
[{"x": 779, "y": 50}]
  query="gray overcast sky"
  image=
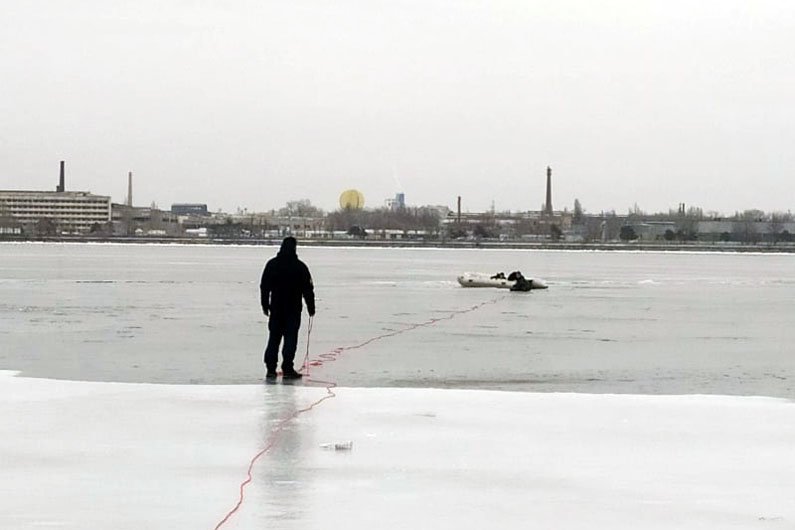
[{"x": 254, "y": 103}]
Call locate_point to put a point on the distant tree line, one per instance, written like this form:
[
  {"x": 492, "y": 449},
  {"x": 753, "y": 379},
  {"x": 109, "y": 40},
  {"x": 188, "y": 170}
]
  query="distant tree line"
[{"x": 356, "y": 221}]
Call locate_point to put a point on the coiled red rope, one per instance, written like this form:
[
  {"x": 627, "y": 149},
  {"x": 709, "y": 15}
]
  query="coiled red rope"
[{"x": 321, "y": 359}]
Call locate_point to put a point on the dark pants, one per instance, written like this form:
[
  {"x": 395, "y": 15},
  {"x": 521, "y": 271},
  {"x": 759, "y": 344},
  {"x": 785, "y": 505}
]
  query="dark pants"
[{"x": 282, "y": 326}]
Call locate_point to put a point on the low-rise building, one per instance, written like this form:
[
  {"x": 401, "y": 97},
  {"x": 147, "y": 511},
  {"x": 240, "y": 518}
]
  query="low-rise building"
[
  {"x": 190, "y": 209},
  {"x": 745, "y": 230},
  {"x": 653, "y": 230},
  {"x": 147, "y": 221}
]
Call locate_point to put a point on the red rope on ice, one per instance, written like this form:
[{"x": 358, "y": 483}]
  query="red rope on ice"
[
  {"x": 268, "y": 445},
  {"x": 330, "y": 356}
]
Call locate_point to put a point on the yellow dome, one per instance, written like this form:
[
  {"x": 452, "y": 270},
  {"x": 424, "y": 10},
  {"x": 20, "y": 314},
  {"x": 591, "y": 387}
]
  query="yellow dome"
[{"x": 352, "y": 199}]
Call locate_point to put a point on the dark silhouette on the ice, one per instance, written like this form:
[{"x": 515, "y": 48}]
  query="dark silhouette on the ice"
[
  {"x": 522, "y": 283},
  {"x": 285, "y": 280}
]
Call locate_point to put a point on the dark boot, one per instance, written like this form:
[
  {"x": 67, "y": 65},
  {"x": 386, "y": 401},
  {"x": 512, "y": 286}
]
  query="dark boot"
[{"x": 291, "y": 374}]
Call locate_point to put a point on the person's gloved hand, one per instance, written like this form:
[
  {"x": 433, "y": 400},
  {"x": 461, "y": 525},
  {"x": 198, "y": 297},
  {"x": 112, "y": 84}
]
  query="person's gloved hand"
[
  {"x": 266, "y": 310},
  {"x": 311, "y": 312}
]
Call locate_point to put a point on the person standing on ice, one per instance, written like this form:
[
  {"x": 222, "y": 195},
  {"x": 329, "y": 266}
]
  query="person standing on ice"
[{"x": 284, "y": 281}]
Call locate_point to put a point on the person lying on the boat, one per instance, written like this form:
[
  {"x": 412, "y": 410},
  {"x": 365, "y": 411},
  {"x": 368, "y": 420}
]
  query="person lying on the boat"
[
  {"x": 522, "y": 283},
  {"x": 498, "y": 276}
]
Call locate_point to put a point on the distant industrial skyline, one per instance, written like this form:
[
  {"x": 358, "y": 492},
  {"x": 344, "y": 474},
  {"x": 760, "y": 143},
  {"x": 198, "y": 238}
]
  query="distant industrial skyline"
[
  {"x": 547, "y": 205},
  {"x": 252, "y": 104}
]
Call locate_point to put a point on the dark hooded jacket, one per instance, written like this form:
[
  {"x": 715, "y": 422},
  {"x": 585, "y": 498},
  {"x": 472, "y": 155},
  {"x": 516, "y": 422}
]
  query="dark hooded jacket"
[{"x": 284, "y": 281}]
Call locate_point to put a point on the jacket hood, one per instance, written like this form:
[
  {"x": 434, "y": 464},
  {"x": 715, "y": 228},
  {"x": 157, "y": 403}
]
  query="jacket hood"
[{"x": 287, "y": 249}]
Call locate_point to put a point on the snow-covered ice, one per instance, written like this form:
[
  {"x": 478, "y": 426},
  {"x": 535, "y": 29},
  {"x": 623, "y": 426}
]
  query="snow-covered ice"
[{"x": 80, "y": 455}]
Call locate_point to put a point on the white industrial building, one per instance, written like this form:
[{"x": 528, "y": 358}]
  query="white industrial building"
[{"x": 68, "y": 211}]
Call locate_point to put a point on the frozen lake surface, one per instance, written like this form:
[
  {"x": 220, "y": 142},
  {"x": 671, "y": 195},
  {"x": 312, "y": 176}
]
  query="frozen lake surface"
[
  {"x": 80, "y": 455},
  {"x": 643, "y": 323},
  {"x": 87, "y": 441}
]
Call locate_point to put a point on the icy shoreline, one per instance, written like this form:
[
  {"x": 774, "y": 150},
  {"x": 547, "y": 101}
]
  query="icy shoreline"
[{"x": 120, "y": 455}]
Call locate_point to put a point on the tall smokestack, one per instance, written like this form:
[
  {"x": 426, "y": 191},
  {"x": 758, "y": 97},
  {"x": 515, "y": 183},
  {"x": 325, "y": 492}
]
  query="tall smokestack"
[
  {"x": 458, "y": 219},
  {"x": 61, "y": 184},
  {"x": 129, "y": 189},
  {"x": 548, "y": 205}
]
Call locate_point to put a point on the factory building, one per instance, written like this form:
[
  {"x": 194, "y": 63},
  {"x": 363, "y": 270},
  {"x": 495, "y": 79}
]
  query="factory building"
[
  {"x": 143, "y": 221},
  {"x": 60, "y": 211}
]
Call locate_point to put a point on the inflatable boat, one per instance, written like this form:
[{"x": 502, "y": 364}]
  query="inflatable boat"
[{"x": 480, "y": 279}]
